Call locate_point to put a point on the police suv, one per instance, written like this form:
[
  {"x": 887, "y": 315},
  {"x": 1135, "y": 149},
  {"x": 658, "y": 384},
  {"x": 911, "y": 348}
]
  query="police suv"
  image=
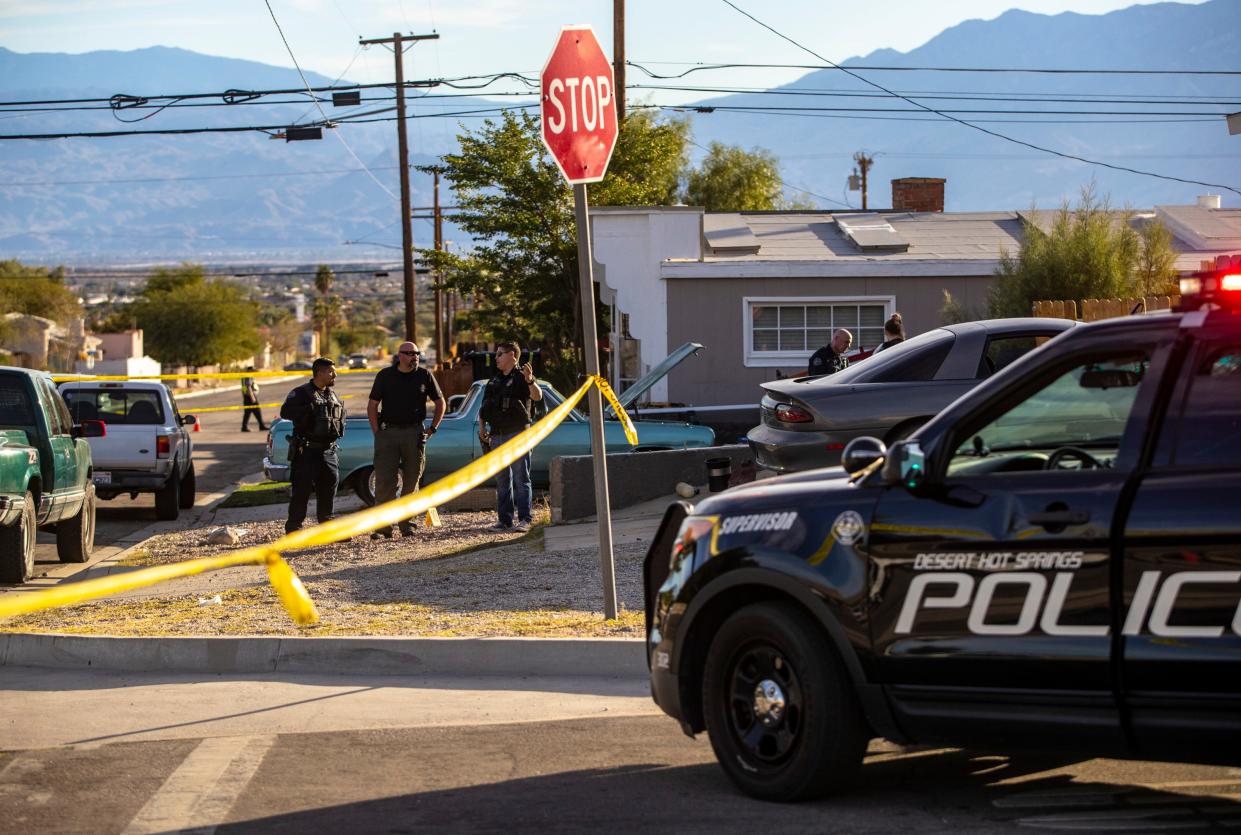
[{"x": 1052, "y": 561}]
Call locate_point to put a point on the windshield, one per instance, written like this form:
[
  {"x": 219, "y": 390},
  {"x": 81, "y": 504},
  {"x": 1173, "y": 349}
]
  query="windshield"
[
  {"x": 908, "y": 360},
  {"x": 125, "y": 407}
]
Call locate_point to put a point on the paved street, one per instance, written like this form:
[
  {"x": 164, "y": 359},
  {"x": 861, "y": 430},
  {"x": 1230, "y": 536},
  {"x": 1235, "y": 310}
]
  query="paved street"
[
  {"x": 222, "y": 456},
  {"x": 106, "y": 752}
]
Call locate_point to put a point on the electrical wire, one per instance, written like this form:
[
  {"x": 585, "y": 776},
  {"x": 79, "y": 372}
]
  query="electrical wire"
[
  {"x": 326, "y": 120},
  {"x": 828, "y": 65},
  {"x": 988, "y": 131}
]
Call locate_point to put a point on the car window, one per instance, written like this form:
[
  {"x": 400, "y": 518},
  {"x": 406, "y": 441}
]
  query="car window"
[
  {"x": 116, "y": 406},
  {"x": 16, "y": 410},
  {"x": 1210, "y": 425},
  {"x": 1002, "y": 351},
  {"x": 58, "y": 422},
  {"x": 1086, "y": 407},
  {"x": 917, "y": 358}
]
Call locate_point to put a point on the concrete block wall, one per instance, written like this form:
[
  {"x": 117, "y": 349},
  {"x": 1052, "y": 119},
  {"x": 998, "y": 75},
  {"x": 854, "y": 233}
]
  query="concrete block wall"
[{"x": 633, "y": 477}]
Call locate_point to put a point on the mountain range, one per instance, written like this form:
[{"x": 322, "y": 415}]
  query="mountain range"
[{"x": 243, "y": 196}]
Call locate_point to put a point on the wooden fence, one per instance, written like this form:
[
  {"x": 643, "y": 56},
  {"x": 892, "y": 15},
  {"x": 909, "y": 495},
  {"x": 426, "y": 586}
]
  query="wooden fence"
[{"x": 1092, "y": 310}]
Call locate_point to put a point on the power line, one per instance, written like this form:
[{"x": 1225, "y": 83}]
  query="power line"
[
  {"x": 802, "y": 113},
  {"x": 768, "y": 91},
  {"x": 976, "y": 127},
  {"x": 699, "y": 66},
  {"x": 315, "y": 98}
]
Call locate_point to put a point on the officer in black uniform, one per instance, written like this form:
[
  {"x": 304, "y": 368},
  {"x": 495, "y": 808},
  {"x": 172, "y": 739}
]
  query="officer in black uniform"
[
  {"x": 504, "y": 415},
  {"x": 831, "y": 357},
  {"x": 318, "y": 423}
]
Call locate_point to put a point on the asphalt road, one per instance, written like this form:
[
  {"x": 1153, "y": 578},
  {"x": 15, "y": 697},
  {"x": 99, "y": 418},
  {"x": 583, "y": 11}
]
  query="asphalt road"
[
  {"x": 552, "y": 756},
  {"x": 223, "y": 455}
]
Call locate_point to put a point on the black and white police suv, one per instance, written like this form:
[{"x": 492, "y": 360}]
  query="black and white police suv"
[{"x": 1052, "y": 561}]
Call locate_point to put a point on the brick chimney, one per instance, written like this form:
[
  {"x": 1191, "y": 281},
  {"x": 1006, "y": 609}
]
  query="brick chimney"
[{"x": 918, "y": 194}]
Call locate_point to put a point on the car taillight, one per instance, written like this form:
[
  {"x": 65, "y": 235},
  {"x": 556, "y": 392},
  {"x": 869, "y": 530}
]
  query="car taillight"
[
  {"x": 793, "y": 414},
  {"x": 163, "y": 446}
]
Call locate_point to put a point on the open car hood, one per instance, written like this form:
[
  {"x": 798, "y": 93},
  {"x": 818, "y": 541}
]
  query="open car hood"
[{"x": 644, "y": 383}]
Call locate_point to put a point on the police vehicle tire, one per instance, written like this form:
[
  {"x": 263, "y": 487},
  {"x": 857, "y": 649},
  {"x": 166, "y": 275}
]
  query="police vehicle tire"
[
  {"x": 75, "y": 538},
  {"x": 168, "y": 499},
  {"x": 17, "y": 546},
  {"x": 188, "y": 488},
  {"x": 815, "y": 734}
]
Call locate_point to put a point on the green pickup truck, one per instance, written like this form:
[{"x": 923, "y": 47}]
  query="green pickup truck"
[{"x": 45, "y": 474}]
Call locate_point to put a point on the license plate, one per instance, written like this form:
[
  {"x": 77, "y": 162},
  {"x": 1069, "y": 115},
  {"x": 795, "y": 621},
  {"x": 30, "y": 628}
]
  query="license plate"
[{"x": 103, "y": 477}]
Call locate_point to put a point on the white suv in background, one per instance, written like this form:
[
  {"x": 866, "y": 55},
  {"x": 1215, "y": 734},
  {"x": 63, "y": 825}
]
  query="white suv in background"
[{"x": 146, "y": 449}]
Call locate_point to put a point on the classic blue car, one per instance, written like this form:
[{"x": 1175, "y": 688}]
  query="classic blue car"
[{"x": 456, "y": 443}]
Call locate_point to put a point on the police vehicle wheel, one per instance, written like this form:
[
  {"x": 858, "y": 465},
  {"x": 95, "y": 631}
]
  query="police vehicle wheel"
[
  {"x": 17, "y": 546},
  {"x": 168, "y": 499},
  {"x": 780, "y": 710},
  {"x": 75, "y": 538},
  {"x": 188, "y": 488}
]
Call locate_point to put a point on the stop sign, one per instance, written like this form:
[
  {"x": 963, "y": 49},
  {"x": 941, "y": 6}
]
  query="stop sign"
[{"x": 578, "y": 107}]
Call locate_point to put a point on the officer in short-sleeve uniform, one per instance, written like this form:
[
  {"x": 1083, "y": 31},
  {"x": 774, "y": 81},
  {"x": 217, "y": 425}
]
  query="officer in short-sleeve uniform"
[
  {"x": 396, "y": 410},
  {"x": 318, "y": 419}
]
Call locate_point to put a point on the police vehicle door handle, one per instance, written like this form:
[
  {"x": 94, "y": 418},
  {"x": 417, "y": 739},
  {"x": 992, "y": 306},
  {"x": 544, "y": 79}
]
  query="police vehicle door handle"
[{"x": 1060, "y": 518}]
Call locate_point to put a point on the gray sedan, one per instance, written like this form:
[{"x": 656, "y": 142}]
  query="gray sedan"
[{"x": 808, "y": 421}]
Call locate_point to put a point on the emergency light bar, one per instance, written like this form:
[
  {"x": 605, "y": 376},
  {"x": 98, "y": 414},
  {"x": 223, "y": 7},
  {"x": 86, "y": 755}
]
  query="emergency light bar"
[{"x": 1220, "y": 289}]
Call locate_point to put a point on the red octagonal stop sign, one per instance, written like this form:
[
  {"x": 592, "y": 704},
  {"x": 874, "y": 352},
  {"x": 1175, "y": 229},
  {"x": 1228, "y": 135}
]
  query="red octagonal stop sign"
[{"x": 578, "y": 107}]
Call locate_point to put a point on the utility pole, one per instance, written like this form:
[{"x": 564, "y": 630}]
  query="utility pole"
[
  {"x": 863, "y": 165},
  {"x": 618, "y": 56},
  {"x": 435, "y": 171},
  {"x": 397, "y": 42}
]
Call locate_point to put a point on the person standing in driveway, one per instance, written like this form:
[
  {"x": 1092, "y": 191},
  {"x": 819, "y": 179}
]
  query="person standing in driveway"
[
  {"x": 831, "y": 357},
  {"x": 397, "y": 409},
  {"x": 250, "y": 399},
  {"x": 893, "y": 332},
  {"x": 318, "y": 419},
  {"x": 505, "y": 413}
]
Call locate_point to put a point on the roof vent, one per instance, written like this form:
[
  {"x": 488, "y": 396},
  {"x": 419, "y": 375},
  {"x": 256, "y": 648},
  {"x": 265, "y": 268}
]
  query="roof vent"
[
  {"x": 871, "y": 233},
  {"x": 1208, "y": 201},
  {"x": 729, "y": 234}
]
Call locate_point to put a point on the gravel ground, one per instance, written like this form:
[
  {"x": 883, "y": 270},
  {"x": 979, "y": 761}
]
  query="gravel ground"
[{"x": 458, "y": 579}]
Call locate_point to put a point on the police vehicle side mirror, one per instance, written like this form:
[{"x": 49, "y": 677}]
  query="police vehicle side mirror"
[
  {"x": 905, "y": 464},
  {"x": 861, "y": 452}
]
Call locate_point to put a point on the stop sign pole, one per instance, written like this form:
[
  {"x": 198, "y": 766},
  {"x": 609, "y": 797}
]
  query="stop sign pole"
[{"x": 578, "y": 115}]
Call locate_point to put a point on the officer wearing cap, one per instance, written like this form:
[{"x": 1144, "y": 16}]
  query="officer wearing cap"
[
  {"x": 318, "y": 419},
  {"x": 397, "y": 409}
]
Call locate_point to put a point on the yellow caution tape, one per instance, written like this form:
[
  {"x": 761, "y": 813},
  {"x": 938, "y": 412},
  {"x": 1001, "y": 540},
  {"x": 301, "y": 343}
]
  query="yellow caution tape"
[
  {"x": 291, "y": 591},
  {"x": 286, "y": 583},
  {"x": 193, "y": 411},
  {"x": 631, "y": 434},
  {"x": 219, "y": 375}
]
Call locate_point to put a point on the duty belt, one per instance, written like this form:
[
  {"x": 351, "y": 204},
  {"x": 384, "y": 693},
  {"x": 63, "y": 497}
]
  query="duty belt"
[{"x": 324, "y": 445}]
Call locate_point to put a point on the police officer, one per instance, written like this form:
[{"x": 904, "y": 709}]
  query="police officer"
[
  {"x": 396, "y": 410},
  {"x": 506, "y": 410},
  {"x": 831, "y": 357},
  {"x": 318, "y": 419}
]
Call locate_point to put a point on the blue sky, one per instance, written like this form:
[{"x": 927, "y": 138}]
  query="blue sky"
[{"x": 485, "y": 36}]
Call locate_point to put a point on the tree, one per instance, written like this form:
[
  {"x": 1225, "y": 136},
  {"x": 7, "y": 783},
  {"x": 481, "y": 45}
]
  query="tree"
[
  {"x": 1089, "y": 252},
  {"x": 326, "y": 311},
  {"x": 1155, "y": 271},
  {"x": 516, "y": 205},
  {"x": 732, "y": 179},
  {"x": 36, "y": 291},
  {"x": 189, "y": 320}
]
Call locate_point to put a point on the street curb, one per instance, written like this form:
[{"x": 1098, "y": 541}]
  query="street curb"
[{"x": 595, "y": 657}]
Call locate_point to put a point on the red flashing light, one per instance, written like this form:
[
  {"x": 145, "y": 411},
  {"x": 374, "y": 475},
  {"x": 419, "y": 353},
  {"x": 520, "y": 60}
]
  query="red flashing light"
[
  {"x": 793, "y": 414},
  {"x": 1230, "y": 282},
  {"x": 1212, "y": 289}
]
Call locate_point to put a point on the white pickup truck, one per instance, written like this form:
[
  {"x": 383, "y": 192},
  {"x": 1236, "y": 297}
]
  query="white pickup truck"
[{"x": 146, "y": 449}]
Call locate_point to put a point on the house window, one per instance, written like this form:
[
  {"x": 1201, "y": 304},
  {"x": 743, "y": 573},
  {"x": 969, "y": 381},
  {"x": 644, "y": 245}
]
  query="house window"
[{"x": 786, "y": 331}]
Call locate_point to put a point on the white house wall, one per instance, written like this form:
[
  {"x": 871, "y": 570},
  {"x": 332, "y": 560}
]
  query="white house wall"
[{"x": 631, "y": 244}]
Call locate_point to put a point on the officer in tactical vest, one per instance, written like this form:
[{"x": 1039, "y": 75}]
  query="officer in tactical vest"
[{"x": 318, "y": 423}]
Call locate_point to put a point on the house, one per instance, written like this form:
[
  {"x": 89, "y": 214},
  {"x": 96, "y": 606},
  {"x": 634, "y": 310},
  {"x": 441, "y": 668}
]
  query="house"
[
  {"x": 120, "y": 354},
  {"x": 764, "y": 290}
]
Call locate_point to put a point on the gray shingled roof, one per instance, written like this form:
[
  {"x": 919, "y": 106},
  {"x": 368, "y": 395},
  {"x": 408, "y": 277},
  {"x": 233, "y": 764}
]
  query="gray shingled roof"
[{"x": 931, "y": 236}]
